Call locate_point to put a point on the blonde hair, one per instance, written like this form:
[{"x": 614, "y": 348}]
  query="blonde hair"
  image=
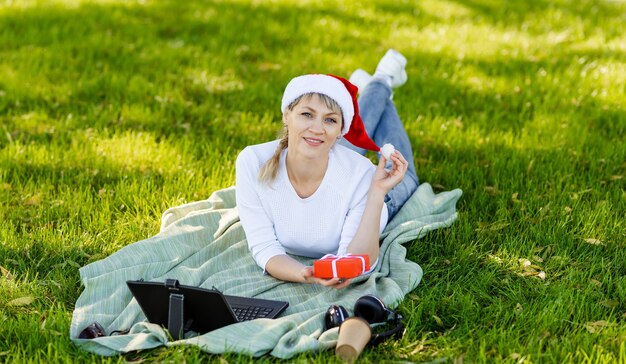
[{"x": 269, "y": 170}]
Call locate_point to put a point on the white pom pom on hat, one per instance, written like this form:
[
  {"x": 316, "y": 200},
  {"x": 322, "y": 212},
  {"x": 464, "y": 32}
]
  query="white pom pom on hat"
[
  {"x": 386, "y": 150},
  {"x": 340, "y": 90}
]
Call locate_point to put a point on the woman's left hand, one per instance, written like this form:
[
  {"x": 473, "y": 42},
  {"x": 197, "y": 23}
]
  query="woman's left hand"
[
  {"x": 336, "y": 283},
  {"x": 384, "y": 180}
]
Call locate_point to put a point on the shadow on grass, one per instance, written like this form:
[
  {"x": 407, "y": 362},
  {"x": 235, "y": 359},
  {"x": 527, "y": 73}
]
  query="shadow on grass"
[
  {"x": 435, "y": 96},
  {"x": 516, "y": 12},
  {"x": 123, "y": 49},
  {"x": 141, "y": 40}
]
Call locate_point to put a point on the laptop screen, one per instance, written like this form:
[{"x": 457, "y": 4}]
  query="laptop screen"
[{"x": 204, "y": 309}]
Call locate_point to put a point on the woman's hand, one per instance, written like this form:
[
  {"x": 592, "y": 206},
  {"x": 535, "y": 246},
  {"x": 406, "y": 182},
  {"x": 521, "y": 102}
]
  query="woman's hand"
[
  {"x": 336, "y": 283},
  {"x": 384, "y": 180}
]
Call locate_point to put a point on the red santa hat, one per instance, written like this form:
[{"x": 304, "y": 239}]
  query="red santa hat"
[{"x": 340, "y": 90}]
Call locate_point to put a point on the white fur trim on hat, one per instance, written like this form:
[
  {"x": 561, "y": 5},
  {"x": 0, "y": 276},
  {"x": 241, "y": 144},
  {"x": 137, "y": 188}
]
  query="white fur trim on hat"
[{"x": 321, "y": 84}]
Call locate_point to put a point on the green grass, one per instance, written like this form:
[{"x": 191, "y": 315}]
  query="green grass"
[{"x": 112, "y": 111}]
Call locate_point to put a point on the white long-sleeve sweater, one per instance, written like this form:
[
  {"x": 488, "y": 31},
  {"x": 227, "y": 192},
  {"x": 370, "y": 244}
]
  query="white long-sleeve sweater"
[{"x": 277, "y": 221}]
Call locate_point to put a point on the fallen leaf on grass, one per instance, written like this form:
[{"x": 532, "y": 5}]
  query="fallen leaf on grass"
[
  {"x": 59, "y": 265},
  {"x": 608, "y": 303},
  {"x": 494, "y": 258},
  {"x": 491, "y": 190},
  {"x": 530, "y": 269},
  {"x": 492, "y": 227},
  {"x": 596, "y": 326},
  {"x": 51, "y": 282},
  {"x": 525, "y": 262},
  {"x": 546, "y": 250},
  {"x": 541, "y": 274},
  {"x": 34, "y": 200},
  {"x": 438, "y": 320},
  {"x": 528, "y": 266},
  {"x": 459, "y": 359},
  {"x": 5, "y": 273},
  {"x": 594, "y": 241},
  {"x": 615, "y": 178},
  {"x": 595, "y": 282},
  {"x": 22, "y": 301},
  {"x": 418, "y": 345},
  {"x": 267, "y": 66},
  {"x": 560, "y": 259}
]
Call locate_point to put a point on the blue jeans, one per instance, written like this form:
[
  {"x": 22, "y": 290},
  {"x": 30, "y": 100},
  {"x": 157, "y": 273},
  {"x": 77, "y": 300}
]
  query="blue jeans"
[{"x": 383, "y": 125}]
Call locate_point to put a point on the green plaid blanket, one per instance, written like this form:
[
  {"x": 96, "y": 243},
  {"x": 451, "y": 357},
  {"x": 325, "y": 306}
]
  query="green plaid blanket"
[{"x": 203, "y": 244}]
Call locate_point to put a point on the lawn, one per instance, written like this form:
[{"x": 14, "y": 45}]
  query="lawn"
[{"x": 111, "y": 111}]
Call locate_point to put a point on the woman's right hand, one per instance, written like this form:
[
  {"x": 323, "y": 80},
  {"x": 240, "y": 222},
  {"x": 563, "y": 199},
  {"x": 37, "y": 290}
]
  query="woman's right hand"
[{"x": 336, "y": 283}]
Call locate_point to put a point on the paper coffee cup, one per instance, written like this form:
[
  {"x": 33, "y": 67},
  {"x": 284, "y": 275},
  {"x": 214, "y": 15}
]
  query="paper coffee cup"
[{"x": 354, "y": 334}]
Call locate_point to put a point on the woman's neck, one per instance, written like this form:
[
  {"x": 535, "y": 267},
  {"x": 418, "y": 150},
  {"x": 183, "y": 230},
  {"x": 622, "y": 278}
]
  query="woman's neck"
[{"x": 305, "y": 175}]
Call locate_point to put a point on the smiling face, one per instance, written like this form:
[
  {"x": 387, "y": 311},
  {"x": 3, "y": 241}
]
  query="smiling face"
[{"x": 314, "y": 126}]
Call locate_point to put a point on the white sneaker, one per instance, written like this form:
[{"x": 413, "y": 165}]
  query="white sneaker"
[
  {"x": 360, "y": 78},
  {"x": 392, "y": 64}
]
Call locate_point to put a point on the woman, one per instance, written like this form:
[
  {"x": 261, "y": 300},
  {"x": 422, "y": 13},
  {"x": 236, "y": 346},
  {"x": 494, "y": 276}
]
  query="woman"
[{"x": 312, "y": 193}]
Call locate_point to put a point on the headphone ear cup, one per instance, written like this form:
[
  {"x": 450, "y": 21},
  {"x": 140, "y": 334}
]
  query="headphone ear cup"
[
  {"x": 371, "y": 309},
  {"x": 334, "y": 316}
]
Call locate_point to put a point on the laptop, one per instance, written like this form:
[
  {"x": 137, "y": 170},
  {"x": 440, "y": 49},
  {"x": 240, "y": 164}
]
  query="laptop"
[{"x": 198, "y": 309}]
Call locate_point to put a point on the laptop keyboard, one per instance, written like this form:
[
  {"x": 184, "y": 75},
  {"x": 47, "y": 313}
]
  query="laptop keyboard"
[{"x": 245, "y": 313}]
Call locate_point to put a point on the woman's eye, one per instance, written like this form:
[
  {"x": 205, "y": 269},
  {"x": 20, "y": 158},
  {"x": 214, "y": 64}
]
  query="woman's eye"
[
  {"x": 307, "y": 114},
  {"x": 331, "y": 120}
]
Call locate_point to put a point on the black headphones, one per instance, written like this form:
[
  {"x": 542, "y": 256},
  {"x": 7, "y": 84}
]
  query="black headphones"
[{"x": 371, "y": 309}]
